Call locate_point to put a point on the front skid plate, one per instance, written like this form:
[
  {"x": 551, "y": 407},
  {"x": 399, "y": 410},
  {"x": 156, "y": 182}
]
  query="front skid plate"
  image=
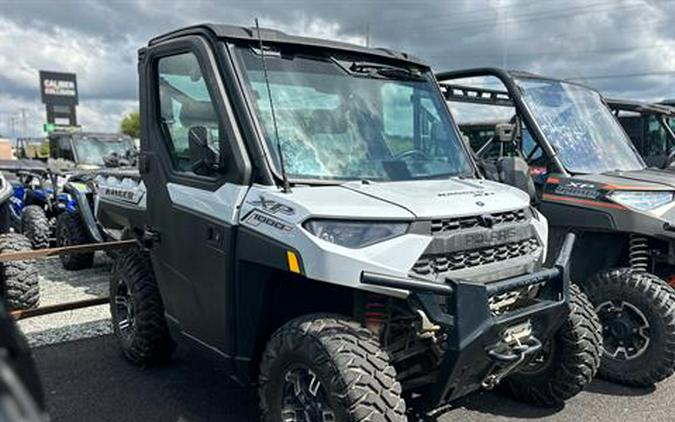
[
  {"x": 462, "y": 309},
  {"x": 474, "y": 332}
]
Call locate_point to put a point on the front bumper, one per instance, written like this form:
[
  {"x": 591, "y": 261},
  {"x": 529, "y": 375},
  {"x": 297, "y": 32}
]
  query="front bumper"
[{"x": 475, "y": 355}]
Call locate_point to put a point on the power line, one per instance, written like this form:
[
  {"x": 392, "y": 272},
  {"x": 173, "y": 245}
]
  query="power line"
[
  {"x": 573, "y": 53},
  {"x": 453, "y": 14},
  {"x": 459, "y": 23},
  {"x": 531, "y": 17},
  {"x": 622, "y": 75},
  {"x": 642, "y": 24}
]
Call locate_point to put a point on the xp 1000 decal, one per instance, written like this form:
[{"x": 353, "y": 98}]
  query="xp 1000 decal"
[{"x": 578, "y": 192}]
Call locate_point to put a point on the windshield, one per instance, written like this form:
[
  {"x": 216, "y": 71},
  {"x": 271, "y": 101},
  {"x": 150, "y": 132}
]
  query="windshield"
[
  {"x": 362, "y": 123},
  {"x": 91, "y": 150},
  {"x": 586, "y": 135}
]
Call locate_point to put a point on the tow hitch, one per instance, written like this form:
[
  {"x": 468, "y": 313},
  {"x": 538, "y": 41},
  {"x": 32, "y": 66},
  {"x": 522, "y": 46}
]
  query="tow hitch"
[{"x": 516, "y": 345}]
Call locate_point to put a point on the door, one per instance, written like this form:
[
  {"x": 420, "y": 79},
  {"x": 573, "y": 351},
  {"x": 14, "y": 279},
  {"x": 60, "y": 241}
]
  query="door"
[{"x": 193, "y": 216}]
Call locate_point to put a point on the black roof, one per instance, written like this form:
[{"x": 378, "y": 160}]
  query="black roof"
[
  {"x": 640, "y": 107},
  {"x": 271, "y": 36}
]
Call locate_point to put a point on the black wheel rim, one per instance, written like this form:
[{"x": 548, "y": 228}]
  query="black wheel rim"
[
  {"x": 304, "y": 398},
  {"x": 625, "y": 330},
  {"x": 124, "y": 311},
  {"x": 63, "y": 239}
]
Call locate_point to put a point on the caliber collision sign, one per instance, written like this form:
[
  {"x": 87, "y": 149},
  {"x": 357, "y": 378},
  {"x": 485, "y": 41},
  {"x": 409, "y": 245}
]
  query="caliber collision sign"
[
  {"x": 58, "y": 88},
  {"x": 59, "y": 95}
]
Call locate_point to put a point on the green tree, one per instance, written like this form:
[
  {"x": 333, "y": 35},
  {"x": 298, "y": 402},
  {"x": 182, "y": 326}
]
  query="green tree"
[
  {"x": 44, "y": 149},
  {"x": 131, "y": 125}
]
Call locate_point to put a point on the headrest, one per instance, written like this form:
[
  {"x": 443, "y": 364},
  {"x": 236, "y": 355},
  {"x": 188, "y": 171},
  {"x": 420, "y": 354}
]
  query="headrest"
[
  {"x": 515, "y": 171},
  {"x": 198, "y": 113},
  {"x": 326, "y": 121}
]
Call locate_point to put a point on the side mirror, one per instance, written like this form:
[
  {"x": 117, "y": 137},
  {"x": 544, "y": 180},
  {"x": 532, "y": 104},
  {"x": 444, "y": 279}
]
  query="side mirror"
[
  {"x": 514, "y": 171},
  {"x": 203, "y": 160},
  {"x": 506, "y": 132}
]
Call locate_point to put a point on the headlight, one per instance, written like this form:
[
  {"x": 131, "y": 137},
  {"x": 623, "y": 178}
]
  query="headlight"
[
  {"x": 354, "y": 234},
  {"x": 641, "y": 200}
]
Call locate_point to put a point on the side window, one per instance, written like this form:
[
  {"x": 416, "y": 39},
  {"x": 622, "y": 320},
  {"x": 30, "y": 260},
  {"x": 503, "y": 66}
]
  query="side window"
[
  {"x": 411, "y": 122},
  {"x": 398, "y": 117},
  {"x": 65, "y": 149},
  {"x": 432, "y": 133},
  {"x": 185, "y": 103}
]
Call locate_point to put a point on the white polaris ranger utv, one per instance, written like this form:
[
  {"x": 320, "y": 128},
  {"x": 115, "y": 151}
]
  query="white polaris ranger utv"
[{"x": 306, "y": 210}]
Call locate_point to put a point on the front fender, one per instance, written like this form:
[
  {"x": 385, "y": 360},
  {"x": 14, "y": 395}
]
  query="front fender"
[{"x": 78, "y": 194}]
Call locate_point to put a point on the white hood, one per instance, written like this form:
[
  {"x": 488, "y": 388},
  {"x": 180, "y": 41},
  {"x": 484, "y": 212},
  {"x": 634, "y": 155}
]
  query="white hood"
[
  {"x": 424, "y": 199},
  {"x": 441, "y": 198}
]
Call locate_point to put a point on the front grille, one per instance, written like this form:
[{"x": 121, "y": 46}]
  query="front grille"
[
  {"x": 434, "y": 264},
  {"x": 474, "y": 221}
]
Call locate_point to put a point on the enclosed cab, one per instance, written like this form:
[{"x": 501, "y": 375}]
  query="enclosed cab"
[
  {"x": 87, "y": 150},
  {"x": 307, "y": 211},
  {"x": 650, "y": 127},
  {"x": 587, "y": 178}
]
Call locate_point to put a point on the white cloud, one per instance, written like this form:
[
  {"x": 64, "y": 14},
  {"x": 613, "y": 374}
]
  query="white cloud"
[
  {"x": 103, "y": 69},
  {"x": 303, "y": 25},
  {"x": 98, "y": 40},
  {"x": 106, "y": 76},
  {"x": 106, "y": 70}
]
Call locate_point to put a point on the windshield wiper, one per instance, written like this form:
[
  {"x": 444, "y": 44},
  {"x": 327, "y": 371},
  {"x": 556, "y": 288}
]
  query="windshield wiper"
[{"x": 389, "y": 72}]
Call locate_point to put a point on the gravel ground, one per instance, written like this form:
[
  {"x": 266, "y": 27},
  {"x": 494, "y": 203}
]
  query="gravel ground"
[{"x": 57, "y": 286}]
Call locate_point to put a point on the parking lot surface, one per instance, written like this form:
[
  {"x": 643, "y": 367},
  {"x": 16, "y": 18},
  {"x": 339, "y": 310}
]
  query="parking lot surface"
[{"x": 86, "y": 379}]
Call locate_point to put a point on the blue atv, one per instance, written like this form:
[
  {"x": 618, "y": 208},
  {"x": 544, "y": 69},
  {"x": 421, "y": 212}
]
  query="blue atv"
[
  {"x": 75, "y": 224},
  {"x": 33, "y": 207},
  {"x": 18, "y": 279}
]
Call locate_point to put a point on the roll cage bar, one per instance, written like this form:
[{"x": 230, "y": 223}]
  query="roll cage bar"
[
  {"x": 512, "y": 97},
  {"x": 640, "y": 107}
]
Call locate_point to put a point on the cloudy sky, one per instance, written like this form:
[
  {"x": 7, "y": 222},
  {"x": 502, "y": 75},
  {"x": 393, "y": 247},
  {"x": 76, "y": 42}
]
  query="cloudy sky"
[{"x": 622, "y": 47}]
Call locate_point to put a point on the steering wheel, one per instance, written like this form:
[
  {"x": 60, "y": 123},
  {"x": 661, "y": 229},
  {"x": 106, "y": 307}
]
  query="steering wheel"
[{"x": 412, "y": 153}]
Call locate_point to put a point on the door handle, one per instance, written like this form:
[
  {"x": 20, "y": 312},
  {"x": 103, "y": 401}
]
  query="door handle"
[
  {"x": 143, "y": 163},
  {"x": 215, "y": 235}
]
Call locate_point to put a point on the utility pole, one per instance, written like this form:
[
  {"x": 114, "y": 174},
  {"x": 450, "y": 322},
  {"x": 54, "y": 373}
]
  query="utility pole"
[
  {"x": 505, "y": 46},
  {"x": 367, "y": 32},
  {"x": 12, "y": 121},
  {"x": 24, "y": 126}
]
